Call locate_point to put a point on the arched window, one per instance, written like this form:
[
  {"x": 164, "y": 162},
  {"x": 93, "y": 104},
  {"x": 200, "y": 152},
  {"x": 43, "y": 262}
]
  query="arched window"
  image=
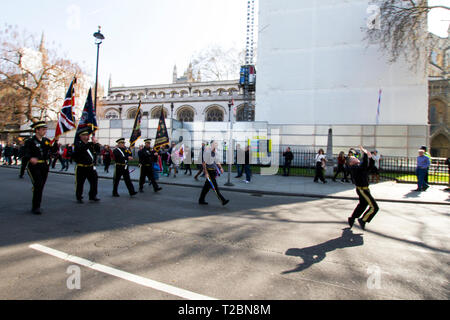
[
  {"x": 215, "y": 115},
  {"x": 112, "y": 114},
  {"x": 156, "y": 113},
  {"x": 186, "y": 114},
  {"x": 240, "y": 115},
  {"x": 132, "y": 113}
]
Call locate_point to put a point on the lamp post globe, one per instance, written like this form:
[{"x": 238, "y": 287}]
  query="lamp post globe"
[{"x": 99, "y": 37}]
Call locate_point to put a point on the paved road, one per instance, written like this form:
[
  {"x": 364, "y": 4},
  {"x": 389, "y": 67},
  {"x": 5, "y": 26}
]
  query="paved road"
[{"x": 258, "y": 247}]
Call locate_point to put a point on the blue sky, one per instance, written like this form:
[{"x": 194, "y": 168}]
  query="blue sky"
[{"x": 144, "y": 38}]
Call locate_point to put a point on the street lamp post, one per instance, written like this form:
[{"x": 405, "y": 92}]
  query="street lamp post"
[
  {"x": 230, "y": 146},
  {"x": 171, "y": 120},
  {"x": 99, "y": 37}
]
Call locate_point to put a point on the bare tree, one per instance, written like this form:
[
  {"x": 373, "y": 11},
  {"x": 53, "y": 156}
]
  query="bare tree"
[
  {"x": 33, "y": 79},
  {"x": 400, "y": 28},
  {"x": 216, "y": 63}
]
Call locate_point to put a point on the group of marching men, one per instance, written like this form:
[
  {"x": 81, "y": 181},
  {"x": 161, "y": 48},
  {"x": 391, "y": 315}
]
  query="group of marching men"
[{"x": 39, "y": 148}]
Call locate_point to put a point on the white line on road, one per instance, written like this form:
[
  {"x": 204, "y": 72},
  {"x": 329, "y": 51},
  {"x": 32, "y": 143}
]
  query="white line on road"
[{"x": 121, "y": 274}]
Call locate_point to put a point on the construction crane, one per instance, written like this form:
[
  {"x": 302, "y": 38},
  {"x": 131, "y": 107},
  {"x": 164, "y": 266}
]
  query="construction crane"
[{"x": 248, "y": 72}]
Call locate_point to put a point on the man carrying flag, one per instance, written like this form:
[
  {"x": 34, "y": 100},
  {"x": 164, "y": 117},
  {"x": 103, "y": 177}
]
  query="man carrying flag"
[
  {"x": 147, "y": 159},
  {"x": 66, "y": 118},
  {"x": 85, "y": 152},
  {"x": 83, "y": 155}
]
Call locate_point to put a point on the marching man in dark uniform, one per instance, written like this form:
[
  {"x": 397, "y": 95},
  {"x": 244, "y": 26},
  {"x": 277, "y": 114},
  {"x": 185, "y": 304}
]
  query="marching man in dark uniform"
[
  {"x": 360, "y": 176},
  {"x": 147, "y": 158},
  {"x": 84, "y": 155},
  {"x": 37, "y": 150},
  {"x": 122, "y": 155},
  {"x": 212, "y": 169}
]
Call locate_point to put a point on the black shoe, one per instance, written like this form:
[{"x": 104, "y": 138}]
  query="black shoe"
[
  {"x": 20, "y": 177},
  {"x": 351, "y": 221},
  {"x": 116, "y": 195},
  {"x": 133, "y": 193},
  {"x": 325, "y": 182},
  {"x": 36, "y": 211},
  {"x": 225, "y": 202},
  {"x": 417, "y": 190},
  {"x": 80, "y": 201},
  {"x": 202, "y": 202},
  {"x": 425, "y": 188},
  {"x": 141, "y": 190},
  {"x": 158, "y": 189},
  {"x": 94, "y": 199},
  {"x": 362, "y": 224}
]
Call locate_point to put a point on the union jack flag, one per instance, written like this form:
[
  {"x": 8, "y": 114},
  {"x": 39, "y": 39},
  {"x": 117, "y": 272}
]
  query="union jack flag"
[{"x": 66, "y": 118}]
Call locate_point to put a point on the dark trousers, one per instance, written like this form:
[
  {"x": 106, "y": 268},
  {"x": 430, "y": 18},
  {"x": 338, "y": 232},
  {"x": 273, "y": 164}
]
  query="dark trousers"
[
  {"x": 187, "y": 167},
  {"x": 147, "y": 172},
  {"x": 248, "y": 172},
  {"x": 341, "y": 168},
  {"x": 118, "y": 174},
  {"x": 365, "y": 200},
  {"x": 240, "y": 168},
  {"x": 38, "y": 174},
  {"x": 287, "y": 168},
  {"x": 421, "y": 178},
  {"x": 107, "y": 163},
  {"x": 81, "y": 174},
  {"x": 319, "y": 173},
  {"x": 212, "y": 174},
  {"x": 58, "y": 157},
  {"x": 23, "y": 167}
]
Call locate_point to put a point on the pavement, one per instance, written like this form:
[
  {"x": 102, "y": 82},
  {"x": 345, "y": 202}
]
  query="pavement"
[{"x": 387, "y": 191}]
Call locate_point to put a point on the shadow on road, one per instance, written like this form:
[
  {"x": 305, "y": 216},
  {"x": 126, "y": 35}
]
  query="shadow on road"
[{"x": 315, "y": 254}]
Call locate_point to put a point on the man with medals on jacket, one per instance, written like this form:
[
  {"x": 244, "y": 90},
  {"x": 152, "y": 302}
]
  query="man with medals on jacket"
[
  {"x": 360, "y": 177},
  {"x": 147, "y": 159},
  {"x": 84, "y": 156},
  {"x": 122, "y": 155},
  {"x": 37, "y": 150}
]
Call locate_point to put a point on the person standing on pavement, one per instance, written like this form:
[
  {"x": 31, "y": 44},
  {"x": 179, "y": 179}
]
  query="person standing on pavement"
[
  {"x": 247, "y": 167},
  {"x": 423, "y": 163},
  {"x": 147, "y": 160},
  {"x": 239, "y": 159},
  {"x": 84, "y": 158},
  {"x": 211, "y": 169},
  {"x": 122, "y": 155},
  {"x": 67, "y": 155},
  {"x": 426, "y": 154},
  {"x": 200, "y": 166},
  {"x": 107, "y": 156},
  {"x": 341, "y": 167},
  {"x": 360, "y": 176},
  {"x": 37, "y": 150},
  {"x": 8, "y": 153},
  {"x": 288, "y": 158},
  {"x": 320, "y": 166}
]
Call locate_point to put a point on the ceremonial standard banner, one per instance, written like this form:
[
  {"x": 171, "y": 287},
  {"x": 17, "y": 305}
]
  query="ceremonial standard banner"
[
  {"x": 162, "y": 135},
  {"x": 88, "y": 117},
  {"x": 136, "y": 134}
]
